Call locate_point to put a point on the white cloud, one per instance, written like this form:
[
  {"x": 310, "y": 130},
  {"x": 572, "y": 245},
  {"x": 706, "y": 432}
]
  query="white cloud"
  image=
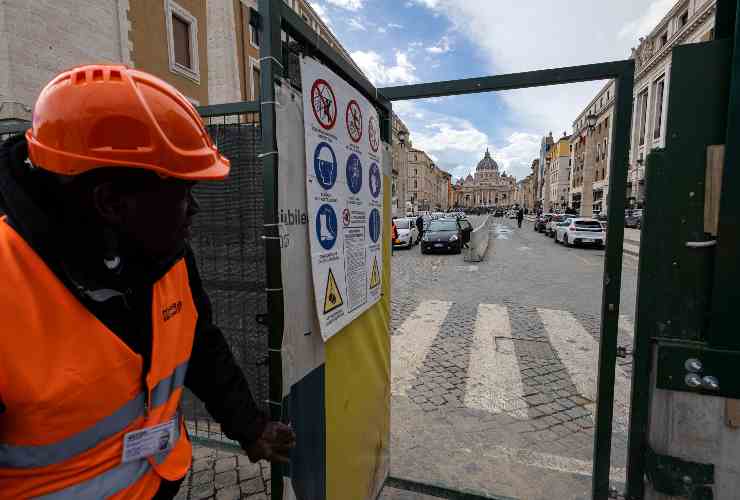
[
  {"x": 395, "y": 26},
  {"x": 373, "y": 65},
  {"x": 520, "y": 36},
  {"x": 322, "y": 13},
  {"x": 442, "y": 47},
  {"x": 516, "y": 156},
  {"x": 347, "y": 4},
  {"x": 645, "y": 23},
  {"x": 381, "y": 29},
  {"x": 355, "y": 25}
]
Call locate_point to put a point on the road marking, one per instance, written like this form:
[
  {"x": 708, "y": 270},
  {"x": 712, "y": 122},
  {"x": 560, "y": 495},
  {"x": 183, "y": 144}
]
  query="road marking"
[
  {"x": 494, "y": 380},
  {"x": 578, "y": 351},
  {"x": 411, "y": 345},
  {"x": 552, "y": 462}
]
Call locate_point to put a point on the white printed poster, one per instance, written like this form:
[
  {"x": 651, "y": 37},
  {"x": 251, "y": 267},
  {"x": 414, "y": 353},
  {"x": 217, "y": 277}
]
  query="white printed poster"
[{"x": 345, "y": 196}]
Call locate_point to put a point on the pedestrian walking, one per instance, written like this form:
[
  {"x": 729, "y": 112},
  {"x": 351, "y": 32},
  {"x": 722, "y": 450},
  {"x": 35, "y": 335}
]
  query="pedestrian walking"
[
  {"x": 420, "y": 225},
  {"x": 519, "y": 216},
  {"x": 105, "y": 319},
  {"x": 394, "y": 235}
]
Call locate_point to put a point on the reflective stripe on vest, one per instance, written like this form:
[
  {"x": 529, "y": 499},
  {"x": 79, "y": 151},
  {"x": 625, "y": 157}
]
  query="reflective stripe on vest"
[
  {"x": 104, "y": 485},
  {"x": 15, "y": 456}
]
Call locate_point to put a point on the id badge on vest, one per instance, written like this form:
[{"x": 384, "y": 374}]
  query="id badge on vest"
[{"x": 149, "y": 441}]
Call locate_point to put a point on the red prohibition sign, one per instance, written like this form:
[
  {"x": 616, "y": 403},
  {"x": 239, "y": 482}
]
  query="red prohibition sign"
[
  {"x": 372, "y": 132},
  {"x": 353, "y": 116},
  {"x": 323, "y": 103}
]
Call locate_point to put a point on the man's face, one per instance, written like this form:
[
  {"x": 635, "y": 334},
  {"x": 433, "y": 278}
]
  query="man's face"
[{"x": 155, "y": 221}]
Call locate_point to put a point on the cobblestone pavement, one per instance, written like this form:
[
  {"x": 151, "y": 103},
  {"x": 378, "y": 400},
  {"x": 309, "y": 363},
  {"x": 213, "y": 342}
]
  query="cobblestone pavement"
[
  {"x": 224, "y": 475},
  {"x": 494, "y": 367}
]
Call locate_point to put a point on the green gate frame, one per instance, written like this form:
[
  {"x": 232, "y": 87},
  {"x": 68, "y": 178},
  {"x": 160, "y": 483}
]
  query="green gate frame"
[{"x": 275, "y": 18}]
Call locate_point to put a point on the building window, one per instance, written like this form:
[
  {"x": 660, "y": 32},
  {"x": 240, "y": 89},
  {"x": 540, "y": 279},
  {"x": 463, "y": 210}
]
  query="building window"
[
  {"x": 642, "y": 115},
  {"x": 659, "y": 87},
  {"x": 663, "y": 39},
  {"x": 684, "y": 19},
  {"x": 256, "y": 83},
  {"x": 603, "y": 150},
  {"x": 182, "y": 41}
]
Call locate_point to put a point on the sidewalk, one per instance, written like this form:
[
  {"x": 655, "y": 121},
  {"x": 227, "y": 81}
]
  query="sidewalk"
[{"x": 220, "y": 475}]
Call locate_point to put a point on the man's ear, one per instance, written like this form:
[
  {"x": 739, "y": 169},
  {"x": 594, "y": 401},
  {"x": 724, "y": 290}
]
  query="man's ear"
[{"x": 109, "y": 203}]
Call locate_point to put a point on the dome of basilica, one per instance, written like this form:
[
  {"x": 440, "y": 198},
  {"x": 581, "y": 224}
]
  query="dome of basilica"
[{"x": 487, "y": 163}]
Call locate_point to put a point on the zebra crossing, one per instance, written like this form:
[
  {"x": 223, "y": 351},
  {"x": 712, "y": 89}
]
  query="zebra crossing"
[{"x": 494, "y": 381}]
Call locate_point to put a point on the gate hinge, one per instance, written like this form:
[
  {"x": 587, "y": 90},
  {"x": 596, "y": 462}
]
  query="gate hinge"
[{"x": 678, "y": 477}]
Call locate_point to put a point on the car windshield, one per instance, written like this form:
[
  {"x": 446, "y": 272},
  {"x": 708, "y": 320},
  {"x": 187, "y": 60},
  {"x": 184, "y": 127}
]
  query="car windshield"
[
  {"x": 588, "y": 223},
  {"x": 402, "y": 224},
  {"x": 443, "y": 225}
]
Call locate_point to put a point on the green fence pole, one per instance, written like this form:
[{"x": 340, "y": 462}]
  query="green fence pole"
[
  {"x": 271, "y": 71},
  {"x": 612, "y": 283}
]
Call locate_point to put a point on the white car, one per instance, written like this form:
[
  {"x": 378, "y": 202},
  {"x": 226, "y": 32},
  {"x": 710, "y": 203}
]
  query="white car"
[
  {"x": 580, "y": 230},
  {"x": 408, "y": 234}
]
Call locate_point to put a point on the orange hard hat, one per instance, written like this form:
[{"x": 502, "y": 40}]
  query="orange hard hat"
[{"x": 107, "y": 115}]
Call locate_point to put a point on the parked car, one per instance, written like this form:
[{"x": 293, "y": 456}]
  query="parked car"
[
  {"x": 408, "y": 234},
  {"x": 633, "y": 218},
  {"x": 552, "y": 224},
  {"x": 580, "y": 230},
  {"x": 499, "y": 212},
  {"x": 443, "y": 235},
  {"x": 541, "y": 222}
]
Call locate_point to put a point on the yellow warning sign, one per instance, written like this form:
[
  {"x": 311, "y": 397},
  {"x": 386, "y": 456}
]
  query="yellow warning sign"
[
  {"x": 375, "y": 274},
  {"x": 332, "y": 297}
]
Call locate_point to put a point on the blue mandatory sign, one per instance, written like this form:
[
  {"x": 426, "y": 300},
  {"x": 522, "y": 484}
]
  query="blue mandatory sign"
[
  {"x": 374, "y": 221},
  {"x": 326, "y": 226},
  {"x": 374, "y": 180},
  {"x": 354, "y": 173},
  {"x": 325, "y": 165}
]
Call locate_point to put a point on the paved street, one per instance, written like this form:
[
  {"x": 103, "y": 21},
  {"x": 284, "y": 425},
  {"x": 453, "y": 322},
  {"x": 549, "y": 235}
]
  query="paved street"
[{"x": 494, "y": 367}]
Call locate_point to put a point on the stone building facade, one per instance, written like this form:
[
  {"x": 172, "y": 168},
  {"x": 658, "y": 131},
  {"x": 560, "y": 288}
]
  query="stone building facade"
[
  {"x": 487, "y": 188},
  {"x": 400, "y": 167},
  {"x": 689, "y": 21},
  {"x": 590, "y": 153},
  {"x": 558, "y": 171},
  {"x": 427, "y": 185},
  {"x": 39, "y": 39}
]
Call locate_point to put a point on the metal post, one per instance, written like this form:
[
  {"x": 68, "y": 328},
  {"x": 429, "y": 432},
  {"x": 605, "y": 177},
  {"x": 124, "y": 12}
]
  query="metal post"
[
  {"x": 612, "y": 283},
  {"x": 271, "y": 69},
  {"x": 725, "y": 293}
]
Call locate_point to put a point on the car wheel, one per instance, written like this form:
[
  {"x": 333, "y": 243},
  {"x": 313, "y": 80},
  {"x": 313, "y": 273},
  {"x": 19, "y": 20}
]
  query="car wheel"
[{"x": 565, "y": 240}]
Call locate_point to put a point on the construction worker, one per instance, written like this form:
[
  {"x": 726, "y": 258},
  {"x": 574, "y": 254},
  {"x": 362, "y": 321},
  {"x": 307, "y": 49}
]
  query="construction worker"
[{"x": 104, "y": 317}]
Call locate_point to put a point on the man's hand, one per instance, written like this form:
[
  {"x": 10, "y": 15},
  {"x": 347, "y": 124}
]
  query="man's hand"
[{"x": 274, "y": 444}]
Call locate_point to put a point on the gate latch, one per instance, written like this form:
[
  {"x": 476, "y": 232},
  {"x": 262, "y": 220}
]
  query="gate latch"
[{"x": 677, "y": 477}]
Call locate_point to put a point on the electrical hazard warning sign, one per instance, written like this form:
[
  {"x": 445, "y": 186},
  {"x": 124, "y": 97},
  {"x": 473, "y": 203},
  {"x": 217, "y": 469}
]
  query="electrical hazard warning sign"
[
  {"x": 344, "y": 196},
  {"x": 374, "y": 274},
  {"x": 332, "y": 296}
]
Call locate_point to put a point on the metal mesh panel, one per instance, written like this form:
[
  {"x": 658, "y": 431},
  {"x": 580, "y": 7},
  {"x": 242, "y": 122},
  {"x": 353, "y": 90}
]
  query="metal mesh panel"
[{"x": 230, "y": 254}]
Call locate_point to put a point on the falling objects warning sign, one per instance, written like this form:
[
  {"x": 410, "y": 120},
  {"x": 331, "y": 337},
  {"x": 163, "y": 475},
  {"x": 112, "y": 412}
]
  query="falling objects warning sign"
[
  {"x": 374, "y": 274},
  {"x": 332, "y": 296}
]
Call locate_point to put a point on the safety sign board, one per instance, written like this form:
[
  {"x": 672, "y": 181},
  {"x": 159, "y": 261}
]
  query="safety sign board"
[{"x": 343, "y": 181}]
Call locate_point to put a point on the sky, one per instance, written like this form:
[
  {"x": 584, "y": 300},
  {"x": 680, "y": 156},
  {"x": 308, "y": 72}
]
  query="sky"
[{"x": 397, "y": 42}]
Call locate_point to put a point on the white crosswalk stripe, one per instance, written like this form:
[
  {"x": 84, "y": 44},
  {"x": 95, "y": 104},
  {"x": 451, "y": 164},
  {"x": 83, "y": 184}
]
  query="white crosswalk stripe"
[
  {"x": 494, "y": 380},
  {"x": 411, "y": 344},
  {"x": 578, "y": 351}
]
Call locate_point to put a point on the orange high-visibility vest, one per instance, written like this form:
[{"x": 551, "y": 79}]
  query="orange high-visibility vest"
[{"x": 72, "y": 389}]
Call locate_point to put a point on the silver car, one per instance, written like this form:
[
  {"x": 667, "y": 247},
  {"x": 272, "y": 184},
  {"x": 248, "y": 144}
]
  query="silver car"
[{"x": 580, "y": 230}]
